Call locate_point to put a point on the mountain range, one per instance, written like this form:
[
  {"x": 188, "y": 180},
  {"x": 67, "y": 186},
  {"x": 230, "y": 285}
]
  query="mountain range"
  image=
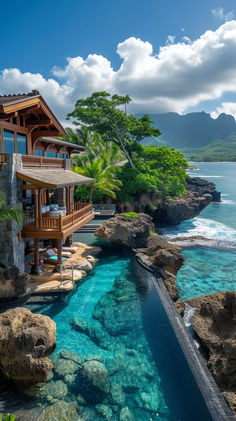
[{"x": 197, "y": 134}]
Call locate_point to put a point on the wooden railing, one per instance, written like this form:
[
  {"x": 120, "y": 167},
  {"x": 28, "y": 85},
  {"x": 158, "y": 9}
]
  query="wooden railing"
[
  {"x": 60, "y": 223},
  {"x": 2, "y": 158},
  {"x": 42, "y": 161}
]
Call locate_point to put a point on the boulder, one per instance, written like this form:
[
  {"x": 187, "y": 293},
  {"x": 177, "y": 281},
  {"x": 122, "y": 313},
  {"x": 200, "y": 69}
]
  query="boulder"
[
  {"x": 96, "y": 375},
  {"x": 71, "y": 355},
  {"x": 59, "y": 411},
  {"x": 215, "y": 325},
  {"x": 64, "y": 367},
  {"x": 26, "y": 340},
  {"x": 124, "y": 231},
  {"x": 83, "y": 265},
  {"x": 79, "y": 324},
  {"x": 104, "y": 411},
  {"x": 12, "y": 282},
  {"x": 125, "y": 415}
]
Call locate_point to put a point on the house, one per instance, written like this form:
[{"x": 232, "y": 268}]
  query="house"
[{"x": 35, "y": 176}]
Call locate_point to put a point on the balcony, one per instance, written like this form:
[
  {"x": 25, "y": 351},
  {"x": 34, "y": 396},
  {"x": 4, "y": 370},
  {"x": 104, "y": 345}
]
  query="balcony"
[
  {"x": 42, "y": 161},
  {"x": 58, "y": 227}
]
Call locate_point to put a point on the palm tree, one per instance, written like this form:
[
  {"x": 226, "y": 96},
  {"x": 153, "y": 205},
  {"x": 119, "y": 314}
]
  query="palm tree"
[
  {"x": 8, "y": 213},
  {"x": 105, "y": 178},
  {"x": 81, "y": 136}
]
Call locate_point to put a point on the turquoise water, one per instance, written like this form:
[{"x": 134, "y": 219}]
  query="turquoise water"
[
  {"x": 128, "y": 332},
  {"x": 211, "y": 269}
]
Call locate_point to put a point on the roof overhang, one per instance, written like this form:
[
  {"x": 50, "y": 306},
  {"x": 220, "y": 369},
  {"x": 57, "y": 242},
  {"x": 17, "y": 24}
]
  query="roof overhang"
[{"x": 52, "y": 179}]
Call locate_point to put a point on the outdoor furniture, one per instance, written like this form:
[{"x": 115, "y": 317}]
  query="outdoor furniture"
[
  {"x": 70, "y": 249},
  {"x": 54, "y": 260}
]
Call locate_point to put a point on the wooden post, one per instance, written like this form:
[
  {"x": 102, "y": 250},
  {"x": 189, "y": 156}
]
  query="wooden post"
[
  {"x": 59, "y": 254},
  {"x": 40, "y": 207},
  {"x": 36, "y": 252},
  {"x": 36, "y": 207}
]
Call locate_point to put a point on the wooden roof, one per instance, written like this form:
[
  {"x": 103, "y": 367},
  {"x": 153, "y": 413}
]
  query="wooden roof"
[
  {"x": 39, "y": 116},
  {"x": 72, "y": 146},
  {"x": 53, "y": 178}
]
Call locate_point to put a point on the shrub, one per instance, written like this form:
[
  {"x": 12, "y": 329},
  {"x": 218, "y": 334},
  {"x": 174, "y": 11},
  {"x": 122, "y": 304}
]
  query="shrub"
[{"x": 131, "y": 215}]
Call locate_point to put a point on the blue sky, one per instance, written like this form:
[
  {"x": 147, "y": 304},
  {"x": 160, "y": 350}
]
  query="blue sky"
[{"x": 38, "y": 36}]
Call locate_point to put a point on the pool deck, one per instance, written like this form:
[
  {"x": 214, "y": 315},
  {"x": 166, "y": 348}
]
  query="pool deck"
[{"x": 53, "y": 282}]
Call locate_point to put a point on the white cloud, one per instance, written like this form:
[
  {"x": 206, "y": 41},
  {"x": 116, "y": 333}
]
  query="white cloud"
[
  {"x": 181, "y": 75},
  {"x": 186, "y": 39},
  {"x": 170, "y": 39},
  {"x": 219, "y": 13},
  {"x": 225, "y": 107}
]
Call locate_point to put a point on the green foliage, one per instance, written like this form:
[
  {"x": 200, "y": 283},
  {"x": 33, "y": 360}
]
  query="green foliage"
[
  {"x": 131, "y": 215},
  {"x": 152, "y": 233},
  {"x": 8, "y": 213},
  {"x": 214, "y": 152},
  {"x": 102, "y": 114},
  {"x": 97, "y": 162},
  {"x": 160, "y": 172},
  {"x": 8, "y": 417}
]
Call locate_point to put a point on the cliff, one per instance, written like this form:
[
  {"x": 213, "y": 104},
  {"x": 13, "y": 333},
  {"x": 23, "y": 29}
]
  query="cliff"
[{"x": 172, "y": 212}]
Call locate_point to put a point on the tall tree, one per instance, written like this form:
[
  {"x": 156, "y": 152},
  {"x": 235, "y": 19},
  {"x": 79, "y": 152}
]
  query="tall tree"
[
  {"x": 102, "y": 113},
  {"x": 8, "y": 213}
]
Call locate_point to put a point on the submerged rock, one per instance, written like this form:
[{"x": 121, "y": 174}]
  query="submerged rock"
[
  {"x": 215, "y": 325},
  {"x": 71, "y": 355},
  {"x": 79, "y": 324},
  {"x": 96, "y": 375},
  {"x": 26, "y": 339},
  {"x": 104, "y": 411},
  {"x": 64, "y": 367},
  {"x": 125, "y": 415},
  {"x": 57, "y": 390},
  {"x": 62, "y": 411},
  {"x": 123, "y": 231}
]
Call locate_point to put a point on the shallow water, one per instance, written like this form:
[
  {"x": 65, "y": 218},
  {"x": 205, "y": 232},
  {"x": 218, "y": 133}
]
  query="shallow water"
[
  {"x": 127, "y": 328},
  {"x": 210, "y": 268}
]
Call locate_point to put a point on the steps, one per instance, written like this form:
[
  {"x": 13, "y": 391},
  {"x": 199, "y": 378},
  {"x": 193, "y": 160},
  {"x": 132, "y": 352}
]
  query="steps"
[{"x": 88, "y": 228}]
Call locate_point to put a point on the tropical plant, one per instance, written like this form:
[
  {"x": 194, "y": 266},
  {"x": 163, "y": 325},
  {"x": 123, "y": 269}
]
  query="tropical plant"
[
  {"x": 104, "y": 178},
  {"x": 131, "y": 215},
  {"x": 102, "y": 113},
  {"x": 8, "y": 213},
  {"x": 8, "y": 417},
  {"x": 81, "y": 136}
]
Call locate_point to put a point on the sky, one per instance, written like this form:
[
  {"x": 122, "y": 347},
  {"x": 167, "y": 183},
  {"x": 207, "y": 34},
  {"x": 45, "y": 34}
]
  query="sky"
[{"x": 167, "y": 55}]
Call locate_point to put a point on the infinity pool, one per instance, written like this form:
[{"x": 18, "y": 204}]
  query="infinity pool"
[{"x": 129, "y": 334}]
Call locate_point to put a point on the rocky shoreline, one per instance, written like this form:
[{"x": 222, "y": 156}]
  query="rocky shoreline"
[{"x": 199, "y": 193}]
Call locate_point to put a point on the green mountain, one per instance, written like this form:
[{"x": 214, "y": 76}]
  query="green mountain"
[{"x": 198, "y": 135}]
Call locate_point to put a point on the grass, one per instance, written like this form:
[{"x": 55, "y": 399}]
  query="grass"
[{"x": 131, "y": 215}]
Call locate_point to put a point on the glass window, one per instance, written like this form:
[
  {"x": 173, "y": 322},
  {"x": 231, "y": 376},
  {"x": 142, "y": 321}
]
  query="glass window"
[
  {"x": 51, "y": 154},
  {"x": 21, "y": 143},
  {"x": 65, "y": 155},
  {"x": 9, "y": 141},
  {"x": 38, "y": 152}
]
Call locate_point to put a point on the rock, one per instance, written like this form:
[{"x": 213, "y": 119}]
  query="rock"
[
  {"x": 215, "y": 325},
  {"x": 83, "y": 265},
  {"x": 104, "y": 411},
  {"x": 172, "y": 212},
  {"x": 12, "y": 282},
  {"x": 26, "y": 340},
  {"x": 79, "y": 324},
  {"x": 57, "y": 390},
  {"x": 64, "y": 367},
  {"x": 125, "y": 415},
  {"x": 91, "y": 260},
  {"x": 95, "y": 374},
  {"x": 128, "y": 232},
  {"x": 62, "y": 411},
  {"x": 117, "y": 394},
  {"x": 93, "y": 358},
  {"x": 81, "y": 401},
  {"x": 180, "y": 305},
  {"x": 165, "y": 259},
  {"x": 71, "y": 355},
  {"x": 70, "y": 379}
]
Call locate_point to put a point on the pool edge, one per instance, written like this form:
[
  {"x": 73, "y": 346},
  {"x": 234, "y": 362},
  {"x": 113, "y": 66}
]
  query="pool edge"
[{"x": 214, "y": 400}]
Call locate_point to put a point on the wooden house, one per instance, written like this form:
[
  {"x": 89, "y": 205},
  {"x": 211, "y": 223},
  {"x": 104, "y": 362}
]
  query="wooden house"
[{"x": 35, "y": 176}]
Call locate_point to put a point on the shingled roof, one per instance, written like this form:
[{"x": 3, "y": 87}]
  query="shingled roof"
[{"x": 11, "y": 99}]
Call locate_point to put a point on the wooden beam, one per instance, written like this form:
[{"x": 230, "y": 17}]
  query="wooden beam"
[
  {"x": 36, "y": 252},
  {"x": 59, "y": 253},
  {"x": 29, "y": 109},
  {"x": 28, "y": 187},
  {"x": 4, "y": 116},
  {"x": 11, "y": 126},
  {"x": 36, "y": 123}
]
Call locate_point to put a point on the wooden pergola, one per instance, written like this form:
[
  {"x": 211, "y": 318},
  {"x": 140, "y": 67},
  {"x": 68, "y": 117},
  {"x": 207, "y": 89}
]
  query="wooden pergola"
[{"x": 61, "y": 227}]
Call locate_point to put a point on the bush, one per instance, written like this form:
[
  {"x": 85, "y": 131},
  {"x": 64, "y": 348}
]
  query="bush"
[{"x": 131, "y": 215}]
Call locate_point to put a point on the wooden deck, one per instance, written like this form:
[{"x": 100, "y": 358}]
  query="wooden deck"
[{"x": 58, "y": 227}]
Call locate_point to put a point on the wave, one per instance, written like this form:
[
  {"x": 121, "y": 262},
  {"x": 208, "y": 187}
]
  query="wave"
[{"x": 221, "y": 235}]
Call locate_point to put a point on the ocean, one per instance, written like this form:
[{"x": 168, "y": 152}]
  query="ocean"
[{"x": 210, "y": 267}]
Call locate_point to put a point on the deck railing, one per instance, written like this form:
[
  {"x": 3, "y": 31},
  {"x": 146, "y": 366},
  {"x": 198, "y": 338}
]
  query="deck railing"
[
  {"x": 42, "y": 161},
  {"x": 2, "y": 158},
  {"x": 60, "y": 223}
]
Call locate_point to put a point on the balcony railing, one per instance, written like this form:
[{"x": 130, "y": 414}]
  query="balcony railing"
[
  {"x": 2, "y": 158},
  {"x": 60, "y": 223},
  {"x": 42, "y": 161}
]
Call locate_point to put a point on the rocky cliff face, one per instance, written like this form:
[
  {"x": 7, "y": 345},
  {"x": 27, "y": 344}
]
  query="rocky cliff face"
[
  {"x": 215, "y": 325},
  {"x": 12, "y": 283},
  {"x": 125, "y": 231},
  {"x": 151, "y": 250},
  {"x": 199, "y": 194},
  {"x": 26, "y": 340}
]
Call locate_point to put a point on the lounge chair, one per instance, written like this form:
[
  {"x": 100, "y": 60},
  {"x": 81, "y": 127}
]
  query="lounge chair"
[
  {"x": 69, "y": 249},
  {"x": 54, "y": 260}
]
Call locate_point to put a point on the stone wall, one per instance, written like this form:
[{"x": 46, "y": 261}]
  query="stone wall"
[{"x": 11, "y": 249}]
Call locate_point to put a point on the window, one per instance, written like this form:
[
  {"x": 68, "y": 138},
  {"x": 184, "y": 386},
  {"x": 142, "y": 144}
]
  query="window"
[
  {"x": 21, "y": 143},
  {"x": 51, "y": 154},
  {"x": 65, "y": 156},
  {"x": 9, "y": 141},
  {"x": 38, "y": 152},
  {"x": 61, "y": 155}
]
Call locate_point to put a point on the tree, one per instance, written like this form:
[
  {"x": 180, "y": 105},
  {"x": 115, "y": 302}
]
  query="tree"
[
  {"x": 8, "y": 213},
  {"x": 102, "y": 113},
  {"x": 80, "y": 136}
]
